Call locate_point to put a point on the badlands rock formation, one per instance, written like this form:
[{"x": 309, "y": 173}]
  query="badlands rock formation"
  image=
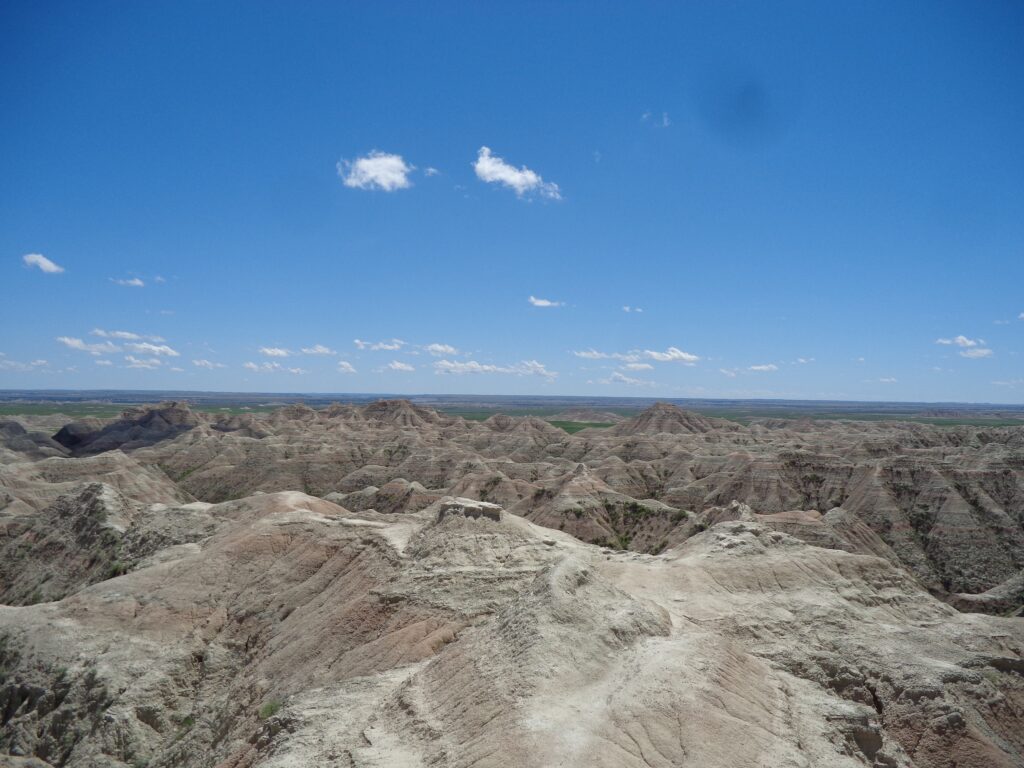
[{"x": 392, "y": 586}]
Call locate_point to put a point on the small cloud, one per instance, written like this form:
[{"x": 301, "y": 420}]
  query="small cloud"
[
  {"x": 123, "y": 335},
  {"x": 593, "y": 354},
  {"x": 660, "y": 122},
  {"x": 102, "y": 362},
  {"x": 377, "y": 170},
  {"x": 439, "y": 350},
  {"x": 859, "y": 360},
  {"x": 976, "y": 353},
  {"x": 428, "y": 171},
  {"x": 152, "y": 349},
  {"x": 628, "y": 308},
  {"x": 960, "y": 341},
  {"x": 494, "y": 170},
  {"x": 525, "y": 368},
  {"x": 672, "y": 354},
  {"x": 208, "y": 364},
  {"x": 275, "y": 351},
  {"x": 620, "y": 378},
  {"x": 148, "y": 363},
  {"x": 6, "y": 364},
  {"x": 387, "y": 346},
  {"x": 102, "y": 348},
  {"x": 130, "y": 282},
  {"x": 271, "y": 367},
  {"x": 887, "y": 380},
  {"x": 345, "y": 367},
  {"x": 764, "y": 367},
  {"x": 42, "y": 263},
  {"x": 1001, "y": 322},
  {"x": 178, "y": 370},
  {"x": 1020, "y": 316},
  {"x": 545, "y": 302},
  {"x": 638, "y": 367},
  {"x": 804, "y": 360},
  {"x": 730, "y": 372},
  {"x": 318, "y": 349},
  {"x": 159, "y": 279},
  {"x": 396, "y": 365}
]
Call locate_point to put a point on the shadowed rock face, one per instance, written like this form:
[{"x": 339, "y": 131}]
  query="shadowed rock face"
[
  {"x": 136, "y": 428},
  {"x": 503, "y": 593}
]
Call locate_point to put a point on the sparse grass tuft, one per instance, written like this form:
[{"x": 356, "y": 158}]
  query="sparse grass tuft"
[{"x": 269, "y": 709}]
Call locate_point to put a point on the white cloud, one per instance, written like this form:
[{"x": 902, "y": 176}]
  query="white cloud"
[
  {"x": 545, "y": 302},
  {"x": 672, "y": 354},
  {"x": 525, "y": 368},
  {"x": 42, "y": 263},
  {"x": 345, "y": 367},
  {"x": 764, "y": 367},
  {"x": 628, "y": 308},
  {"x": 160, "y": 350},
  {"x": 377, "y": 170},
  {"x": 661, "y": 122},
  {"x": 123, "y": 335},
  {"x": 149, "y": 363},
  {"x": 275, "y": 351},
  {"x": 388, "y": 346},
  {"x": 494, "y": 170},
  {"x": 318, "y": 349},
  {"x": 131, "y": 282},
  {"x": 437, "y": 350},
  {"x": 976, "y": 353},
  {"x": 159, "y": 279},
  {"x": 1011, "y": 383},
  {"x": 534, "y": 368},
  {"x": 460, "y": 368},
  {"x": 271, "y": 367},
  {"x": 593, "y": 354},
  {"x": 620, "y": 378},
  {"x": 887, "y": 380},
  {"x": 209, "y": 364},
  {"x": 730, "y": 372},
  {"x": 102, "y": 348},
  {"x": 396, "y": 365},
  {"x": 804, "y": 360},
  {"x": 428, "y": 171},
  {"x": 1020, "y": 316},
  {"x": 102, "y": 362},
  {"x": 6, "y": 364},
  {"x": 960, "y": 341},
  {"x": 638, "y": 367}
]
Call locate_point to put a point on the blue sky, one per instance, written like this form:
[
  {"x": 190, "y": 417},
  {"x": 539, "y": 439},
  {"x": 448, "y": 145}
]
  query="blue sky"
[{"x": 812, "y": 200}]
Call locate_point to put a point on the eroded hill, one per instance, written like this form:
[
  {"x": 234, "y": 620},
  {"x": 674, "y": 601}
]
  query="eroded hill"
[{"x": 388, "y": 585}]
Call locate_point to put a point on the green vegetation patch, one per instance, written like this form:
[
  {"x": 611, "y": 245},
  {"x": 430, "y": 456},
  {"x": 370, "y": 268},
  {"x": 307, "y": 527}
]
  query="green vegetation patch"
[
  {"x": 575, "y": 426},
  {"x": 269, "y": 709}
]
